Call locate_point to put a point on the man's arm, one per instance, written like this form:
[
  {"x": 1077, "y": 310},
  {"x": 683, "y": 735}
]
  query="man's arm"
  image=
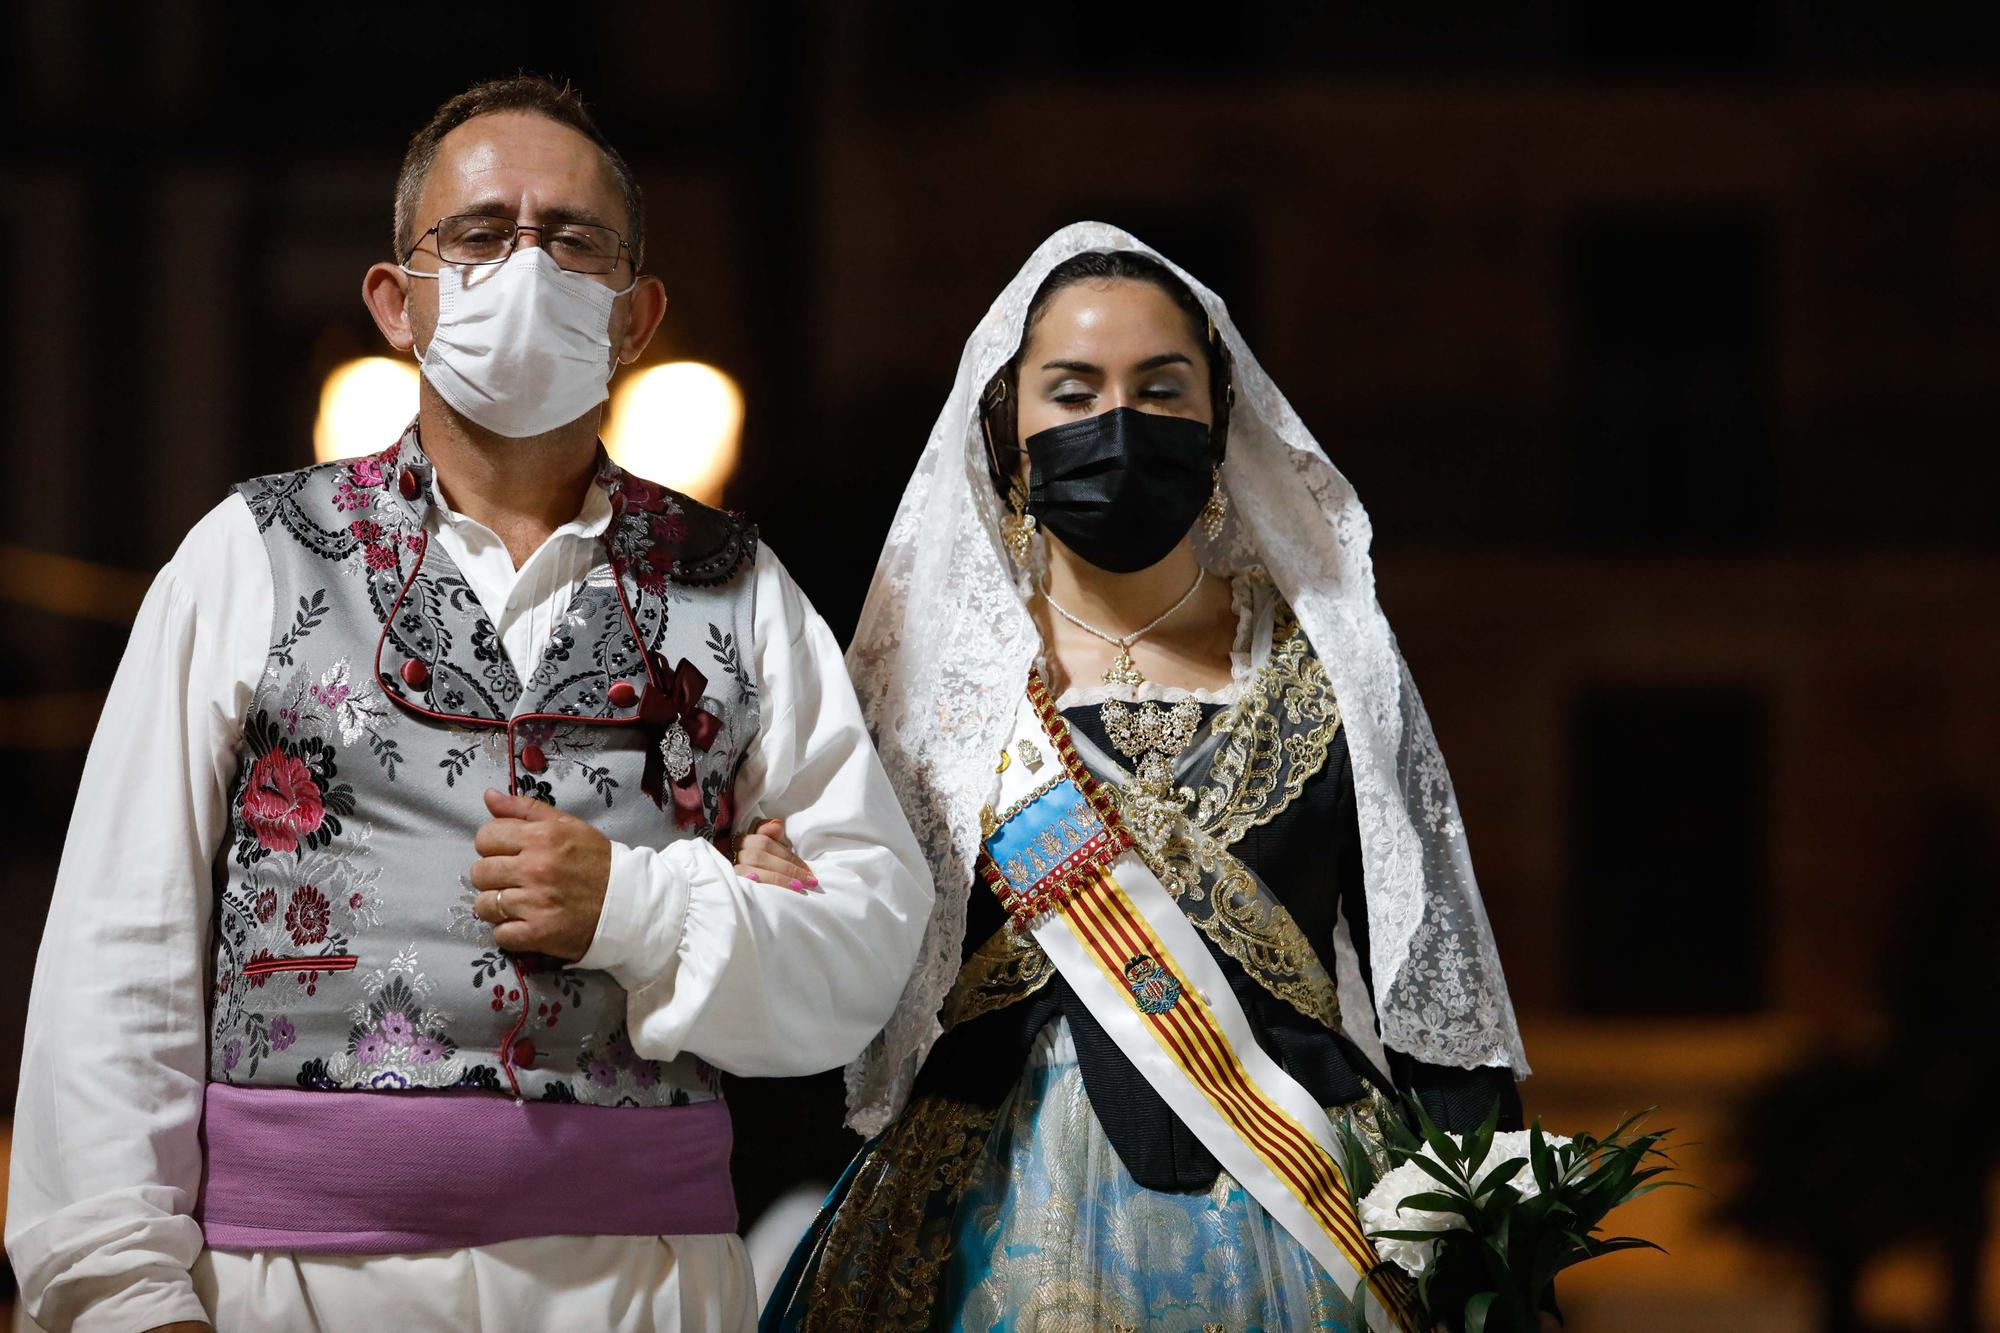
[
  {"x": 750, "y": 976},
  {"x": 107, "y": 1156}
]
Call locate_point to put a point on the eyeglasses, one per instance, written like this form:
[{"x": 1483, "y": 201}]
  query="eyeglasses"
[{"x": 474, "y": 238}]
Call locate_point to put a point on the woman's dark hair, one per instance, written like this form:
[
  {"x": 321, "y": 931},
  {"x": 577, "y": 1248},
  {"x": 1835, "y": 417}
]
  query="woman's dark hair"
[{"x": 997, "y": 405}]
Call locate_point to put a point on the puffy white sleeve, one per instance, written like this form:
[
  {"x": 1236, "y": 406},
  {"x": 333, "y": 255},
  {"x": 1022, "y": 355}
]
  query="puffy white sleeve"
[
  {"x": 753, "y": 977},
  {"x": 107, "y": 1156}
]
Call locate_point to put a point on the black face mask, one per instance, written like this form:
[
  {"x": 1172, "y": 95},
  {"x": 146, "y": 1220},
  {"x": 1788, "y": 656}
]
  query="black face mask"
[{"x": 1122, "y": 488}]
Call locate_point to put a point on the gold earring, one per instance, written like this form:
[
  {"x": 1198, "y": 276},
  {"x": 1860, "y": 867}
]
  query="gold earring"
[
  {"x": 1216, "y": 511},
  {"x": 1018, "y": 528}
]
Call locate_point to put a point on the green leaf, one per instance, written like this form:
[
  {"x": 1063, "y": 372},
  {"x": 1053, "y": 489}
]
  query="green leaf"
[
  {"x": 1660, "y": 1185},
  {"x": 1397, "y": 1136},
  {"x": 1502, "y": 1174},
  {"x": 1619, "y": 1133},
  {"x": 1590, "y": 1247},
  {"x": 1544, "y": 1160},
  {"x": 1444, "y": 1176},
  {"x": 1435, "y": 1202},
  {"x": 1481, "y": 1141},
  {"x": 1475, "y": 1311},
  {"x": 1439, "y": 1141},
  {"x": 1499, "y": 1202},
  {"x": 1356, "y": 1165}
]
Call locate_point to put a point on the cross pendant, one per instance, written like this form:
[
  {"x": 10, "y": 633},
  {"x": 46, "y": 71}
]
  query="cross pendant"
[{"x": 1123, "y": 670}]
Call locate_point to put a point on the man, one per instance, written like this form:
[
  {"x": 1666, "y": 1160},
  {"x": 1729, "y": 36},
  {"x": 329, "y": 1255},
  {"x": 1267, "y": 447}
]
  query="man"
[{"x": 397, "y": 940}]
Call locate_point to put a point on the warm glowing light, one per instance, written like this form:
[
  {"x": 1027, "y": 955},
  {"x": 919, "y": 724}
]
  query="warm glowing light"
[
  {"x": 677, "y": 424},
  {"x": 363, "y": 407}
]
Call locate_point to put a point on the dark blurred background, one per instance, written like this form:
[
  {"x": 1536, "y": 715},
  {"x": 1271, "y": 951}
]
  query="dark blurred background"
[{"x": 1662, "y": 342}]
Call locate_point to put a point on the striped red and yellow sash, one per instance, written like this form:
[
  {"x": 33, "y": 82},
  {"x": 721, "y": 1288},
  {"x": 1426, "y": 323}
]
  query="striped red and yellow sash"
[
  {"x": 1050, "y": 858},
  {"x": 1115, "y": 933}
]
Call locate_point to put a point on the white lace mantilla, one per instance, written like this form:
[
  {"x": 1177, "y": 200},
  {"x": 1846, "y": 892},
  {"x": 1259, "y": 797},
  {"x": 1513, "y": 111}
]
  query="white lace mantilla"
[{"x": 945, "y": 643}]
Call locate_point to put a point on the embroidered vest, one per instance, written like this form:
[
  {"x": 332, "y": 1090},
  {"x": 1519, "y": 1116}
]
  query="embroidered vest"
[{"x": 347, "y": 956}]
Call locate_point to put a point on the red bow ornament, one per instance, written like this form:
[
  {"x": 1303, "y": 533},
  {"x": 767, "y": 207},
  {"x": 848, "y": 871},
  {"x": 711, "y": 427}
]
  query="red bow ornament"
[{"x": 673, "y": 709}]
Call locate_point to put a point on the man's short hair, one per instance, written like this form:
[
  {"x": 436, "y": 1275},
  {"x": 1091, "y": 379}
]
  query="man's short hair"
[{"x": 524, "y": 92}]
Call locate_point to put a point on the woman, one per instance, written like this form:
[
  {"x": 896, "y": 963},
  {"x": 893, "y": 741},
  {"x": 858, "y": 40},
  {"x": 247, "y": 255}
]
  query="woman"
[{"x": 1123, "y": 659}]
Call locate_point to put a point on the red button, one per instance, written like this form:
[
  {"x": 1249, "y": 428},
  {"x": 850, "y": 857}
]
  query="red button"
[
  {"x": 407, "y": 484},
  {"x": 623, "y": 695},
  {"x": 524, "y": 1054},
  {"x": 533, "y": 759},
  {"x": 415, "y": 674}
]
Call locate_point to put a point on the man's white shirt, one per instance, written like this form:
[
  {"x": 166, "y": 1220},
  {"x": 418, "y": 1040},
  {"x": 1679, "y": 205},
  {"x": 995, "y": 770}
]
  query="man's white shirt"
[{"x": 753, "y": 978}]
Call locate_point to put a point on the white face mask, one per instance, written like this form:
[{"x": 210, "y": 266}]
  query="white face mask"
[{"x": 522, "y": 346}]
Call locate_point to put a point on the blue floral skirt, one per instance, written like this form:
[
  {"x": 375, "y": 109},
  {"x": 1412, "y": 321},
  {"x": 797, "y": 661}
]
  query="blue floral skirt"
[{"x": 1025, "y": 1220}]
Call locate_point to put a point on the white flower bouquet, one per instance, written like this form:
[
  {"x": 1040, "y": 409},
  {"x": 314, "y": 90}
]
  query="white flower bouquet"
[{"x": 1484, "y": 1221}]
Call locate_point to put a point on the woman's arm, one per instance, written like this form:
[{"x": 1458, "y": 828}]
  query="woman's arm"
[{"x": 752, "y": 977}]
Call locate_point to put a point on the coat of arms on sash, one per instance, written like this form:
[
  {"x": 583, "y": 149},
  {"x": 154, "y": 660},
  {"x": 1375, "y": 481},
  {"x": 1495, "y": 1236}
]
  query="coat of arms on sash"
[{"x": 1154, "y": 989}]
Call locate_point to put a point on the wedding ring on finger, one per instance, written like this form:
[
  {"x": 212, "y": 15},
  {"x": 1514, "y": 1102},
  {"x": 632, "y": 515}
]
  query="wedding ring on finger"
[{"x": 501, "y": 914}]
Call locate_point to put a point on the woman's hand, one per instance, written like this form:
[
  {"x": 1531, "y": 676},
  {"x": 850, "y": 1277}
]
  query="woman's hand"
[{"x": 766, "y": 856}]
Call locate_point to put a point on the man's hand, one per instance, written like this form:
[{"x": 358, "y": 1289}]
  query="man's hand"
[
  {"x": 767, "y": 856},
  {"x": 541, "y": 876}
]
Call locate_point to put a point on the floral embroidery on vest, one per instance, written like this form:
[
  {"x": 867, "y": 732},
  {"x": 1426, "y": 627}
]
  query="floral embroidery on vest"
[{"x": 347, "y": 953}]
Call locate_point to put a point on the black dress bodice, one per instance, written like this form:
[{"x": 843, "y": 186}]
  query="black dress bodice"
[{"x": 1309, "y": 856}]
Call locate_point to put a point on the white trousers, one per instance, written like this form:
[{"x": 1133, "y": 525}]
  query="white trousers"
[{"x": 631, "y": 1284}]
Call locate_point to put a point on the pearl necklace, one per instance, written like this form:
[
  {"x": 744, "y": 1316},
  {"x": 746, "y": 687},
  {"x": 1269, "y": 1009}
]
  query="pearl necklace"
[{"x": 1123, "y": 670}]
